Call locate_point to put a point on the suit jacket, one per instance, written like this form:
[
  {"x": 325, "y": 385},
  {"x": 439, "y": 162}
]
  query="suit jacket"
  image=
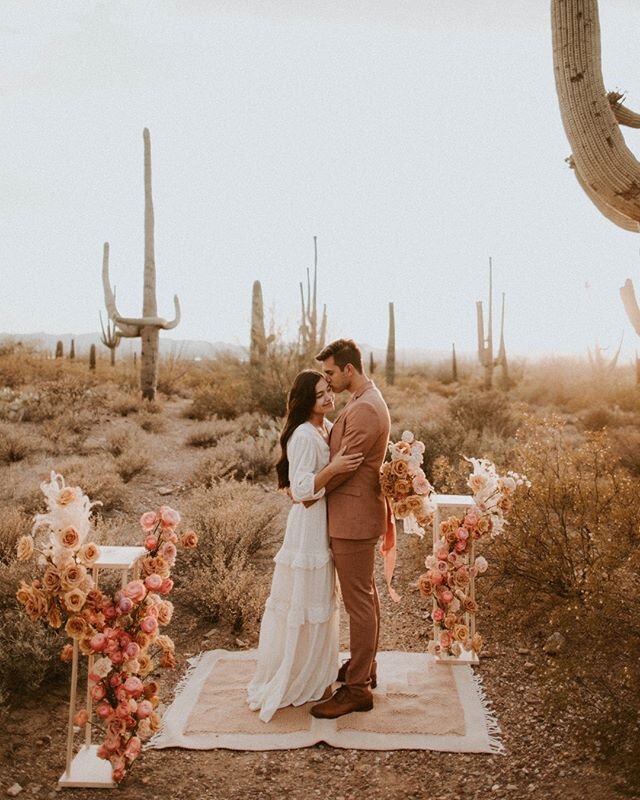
[{"x": 355, "y": 503}]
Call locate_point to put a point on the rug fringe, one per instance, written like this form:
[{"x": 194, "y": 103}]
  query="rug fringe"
[
  {"x": 493, "y": 726},
  {"x": 180, "y": 687}
]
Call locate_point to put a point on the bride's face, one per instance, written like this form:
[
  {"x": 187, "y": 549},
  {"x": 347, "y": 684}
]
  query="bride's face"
[{"x": 325, "y": 399}]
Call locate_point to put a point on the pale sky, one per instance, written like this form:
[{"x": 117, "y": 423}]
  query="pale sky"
[{"x": 414, "y": 138}]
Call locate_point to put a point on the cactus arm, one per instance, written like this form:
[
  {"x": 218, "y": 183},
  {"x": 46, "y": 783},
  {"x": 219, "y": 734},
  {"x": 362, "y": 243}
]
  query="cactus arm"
[
  {"x": 614, "y": 360},
  {"x": 602, "y": 158},
  {"x": 630, "y": 304},
  {"x": 623, "y": 115},
  {"x": 480, "y": 325},
  {"x": 127, "y": 329},
  {"x": 619, "y": 219}
]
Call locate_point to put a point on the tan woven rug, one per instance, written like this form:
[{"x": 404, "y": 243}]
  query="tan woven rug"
[{"x": 418, "y": 705}]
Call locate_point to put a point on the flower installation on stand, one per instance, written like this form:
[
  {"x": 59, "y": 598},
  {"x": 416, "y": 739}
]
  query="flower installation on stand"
[
  {"x": 406, "y": 486},
  {"x": 119, "y": 632},
  {"x": 453, "y": 567}
]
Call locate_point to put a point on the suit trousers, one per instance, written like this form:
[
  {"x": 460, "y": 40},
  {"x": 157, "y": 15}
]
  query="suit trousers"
[{"x": 354, "y": 560}]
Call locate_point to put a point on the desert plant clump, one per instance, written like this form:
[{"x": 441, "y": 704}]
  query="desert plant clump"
[
  {"x": 14, "y": 444},
  {"x": 238, "y": 527},
  {"x": 245, "y": 459}
]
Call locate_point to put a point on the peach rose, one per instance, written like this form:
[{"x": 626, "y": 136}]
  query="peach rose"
[
  {"x": 165, "y": 612},
  {"x": 470, "y": 605},
  {"x": 153, "y": 564},
  {"x": 81, "y": 717},
  {"x": 75, "y": 627},
  {"x": 135, "y": 591},
  {"x": 153, "y": 582},
  {"x": 460, "y": 633},
  {"x": 437, "y": 615},
  {"x": 89, "y": 553},
  {"x": 401, "y": 509},
  {"x": 143, "y": 640},
  {"x": 421, "y": 485},
  {"x": 445, "y": 640},
  {"x": 54, "y": 617},
  {"x": 66, "y": 654},
  {"x": 155, "y": 721},
  {"x": 144, "y": 729},
  {"x": 23, "y": 595},
  {"x": 167, "y": 660},
  {"x": 151, "y": 542},
  {"x": 102, "y": 667},
  {"x": 25, "y": 548},
  {"x": 169, "y": 517},
  {"x": 476, "y": 643},
  {"x": 449, "y": 621},
  {"x": 425, "y": 586},
  {"x": 66, "y": 496},
  {"x": 145, "y": 664},
  {"x": 72, "y": 575},
  {"x": 399, "y": 468},
  {"x": 165, "y": 643},
  {"x": 403, "y": 486},
  {"x": 149, "y": 625},
  {"x": 74, "y": 600},
  {"x": 68, "y": 537},
  {"x": 167, "y": 586},
  {"x": 169, "y": 552},
  {"x": 133, "y": 748},
  {"x": 189, "y": 539},
  {"x": 133, "y": 686},
  {"x": 51, "y": 580}
]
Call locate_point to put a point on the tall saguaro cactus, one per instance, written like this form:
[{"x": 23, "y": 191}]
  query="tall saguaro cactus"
[
  {"x": 258, "y": 346},
  {"x": 312, "y": 336},
  {"x": 148, "y": 326},
  {"x": 485, "y": 343},
  {"x": 390, "y": 367},
  {"x": 604, "y": 166}
]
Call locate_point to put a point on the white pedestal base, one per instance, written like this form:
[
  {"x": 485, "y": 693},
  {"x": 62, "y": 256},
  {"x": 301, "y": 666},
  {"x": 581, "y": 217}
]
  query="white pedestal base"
[
  {"x": 87, "y": 769},
  {"x": 466, "y": 657}
]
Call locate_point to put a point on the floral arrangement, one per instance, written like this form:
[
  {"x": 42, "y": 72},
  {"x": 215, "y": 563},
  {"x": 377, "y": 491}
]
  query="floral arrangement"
[
  {"x": 450, "y": 574},
  {"x": 406, "y": 486},
  {"x": 121, "y": 631}
]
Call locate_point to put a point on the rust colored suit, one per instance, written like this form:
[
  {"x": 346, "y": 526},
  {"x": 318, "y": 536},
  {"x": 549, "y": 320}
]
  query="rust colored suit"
[{"x": 357, "y": 519}]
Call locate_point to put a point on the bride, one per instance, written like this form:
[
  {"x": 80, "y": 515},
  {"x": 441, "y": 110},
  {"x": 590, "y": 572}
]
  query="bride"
[{"x": 298, "y": 648}]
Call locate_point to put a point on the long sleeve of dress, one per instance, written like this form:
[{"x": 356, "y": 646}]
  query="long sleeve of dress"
[{"x": 303, "y": 466}]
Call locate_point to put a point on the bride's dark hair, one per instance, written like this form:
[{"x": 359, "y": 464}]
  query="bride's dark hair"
[{"x": 300, "y": 403}]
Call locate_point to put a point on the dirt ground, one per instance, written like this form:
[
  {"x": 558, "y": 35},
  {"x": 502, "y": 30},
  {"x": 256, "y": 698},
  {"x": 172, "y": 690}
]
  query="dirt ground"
[{"x": 544, "y": 758}]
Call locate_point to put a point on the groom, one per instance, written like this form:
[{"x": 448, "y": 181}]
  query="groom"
[{"x": 357, "y": 519}]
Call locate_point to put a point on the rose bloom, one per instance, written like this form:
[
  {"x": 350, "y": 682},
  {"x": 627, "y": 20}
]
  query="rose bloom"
[
  {"x": 25, "y": 548},
  {"x": 462, "y": 576},
  {"x": 143, "y": 640},
  {"x": 476, "y": 482},
  {"x": 437, "y": 615},
  {"x": 399, "y": 468},
  {"x": 504, "y": 504},
  {"x": 169, "y": 517},
  {"x": 445, "y": 640},
  {"x": 75, "y": 627},
  {"x": 435, "y": 577},
  {"x": 74, "y": 600},
  {"x": 66, "y": 654},
  {"x": 481, "y": 564},
  {"x": 462, "y": 533},
  {"x": 401, "y": 509},
  {"x": 145, "y": 664},
  {"x": 449, "y": 621},
  {"x": 102, "y": 667},
  {"x": 98, "y": 692},
  {"x": 98, "y": 642},
  {"x": 167, "y": 586},
  {"x": 189, "y": 539},
  {"x": 66, "y": 496},
  {"x": 36, "y": 605},
  {"x": 151, "y": 542},
  {"x": 425, "y": 586},
  {"x": 144, "y": 729},
  {"x": 144, "y": 709},
  {"x": 169, "y": 552},
  {"x": 81, "y": 717},
  {"x": 476, "y": 643},
  {"x": 165, "y": 612},
  {"x": 149, "y": 520},
  {"x": 72, "y": 575},
  {"x": 460, "y": 546},
  {"x": 456, "y": 649},
  {"x": 167, "y": 660},
  {"x": 54, "y": 617},
  {"x": 104, "y": 710},
  {"x": 470, "y": 605},
  {"x": 135, "y": 591},
  {"x": 460, "y": 633},
  {"x": 153, "y": 564},
  {"x": 414, "y": 503},
  {"x": 149, "y": 625},
  {"x": 153, "y": 582},
  {"x": 133, "y": 686},
  {"x": 165, "y": 642},
  {"x": 470, "y": 520},
  {"x": 51, "y": 580},
  {"x": 447, "y": 596},
  {"x": 169, "y": 535},
  {"x": 484, "y": 525},
  {"x": 402, "y": 487},
  {"x": 89, "y": 553},
  {"x": 132, "y": 650},
  {"x": 421, "y": 485},
  {"x": 430, "y": 562},
  {"x": 134, "y": 745},
  {"x": 68, "y": 537}
]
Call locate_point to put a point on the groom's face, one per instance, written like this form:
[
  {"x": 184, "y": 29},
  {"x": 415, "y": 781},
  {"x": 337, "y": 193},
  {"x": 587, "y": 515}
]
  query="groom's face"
[{"x": 338, "y": 379}]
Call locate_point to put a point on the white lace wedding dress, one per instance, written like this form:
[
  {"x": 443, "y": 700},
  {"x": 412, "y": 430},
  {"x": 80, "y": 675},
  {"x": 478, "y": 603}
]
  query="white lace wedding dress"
[{"x": 298, "y": 649}]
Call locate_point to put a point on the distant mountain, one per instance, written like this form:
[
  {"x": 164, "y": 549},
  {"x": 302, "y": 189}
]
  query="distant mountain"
[{"x": 179, "y": 348}]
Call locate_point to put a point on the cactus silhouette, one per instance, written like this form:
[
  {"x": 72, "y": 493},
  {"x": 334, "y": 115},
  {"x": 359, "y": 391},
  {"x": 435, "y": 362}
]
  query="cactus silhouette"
[
  {"x": 390, "y": 367},
  {"x": 454, "y": 364},
  {"x": 147, "y": 327},
  {"x": 92, "y": 357},
  {"x": 485, "y": 343},
  {"x": 59, "y": 349},
  {"x": 311, "y": 336},
  {"x": 258, "y": 346},
  {"x": 72, "y": 350}
]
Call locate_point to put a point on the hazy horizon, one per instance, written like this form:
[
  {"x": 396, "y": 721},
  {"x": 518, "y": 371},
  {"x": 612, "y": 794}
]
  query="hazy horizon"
[{"x": 415, "y": 141}]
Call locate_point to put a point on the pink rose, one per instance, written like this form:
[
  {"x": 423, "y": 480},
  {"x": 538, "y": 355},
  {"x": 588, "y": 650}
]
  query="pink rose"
[
  {"x": 144, "y": 709},
  {"x": 98, "y": 692},
  {"x": 134, "y": 686},
  {"x": 122, "y": 711},
  {"x": 437, "y": 615},
  {"x": 445, "y": 640},
  {"x": 169, "y": 535},
  {"x": 115, "y": 680},
  {"x": 153, "y": 582},
  {"x": 442, "y": 554},
  {"x": 152, "y": 611},
  {"x": 447, "y": 597},
  {"x": 135, "y": 590},
  {"x": 169, "y": 517},
  {"x": 134, "y": 745},
  {"x": 460, "y": 546},
  {"x": 149, "y": 624},
  {"x": 462, "y": 534},
  {"x": 98, "y": 642},
  {"x": 421, "y": 485},
  {"x": 169, "y": 552},
  {"x": 104, "y": 710},
  {"x": 151, "y": 542},
  {"x": 149, "y": 520},
  {"x": 443, "y": 566},
  {"x": 132, "y": 650},
  {"x": 125, "y": 605},
  {"x": 435, "y": 577},
  {"x": 167, "y": 586}
]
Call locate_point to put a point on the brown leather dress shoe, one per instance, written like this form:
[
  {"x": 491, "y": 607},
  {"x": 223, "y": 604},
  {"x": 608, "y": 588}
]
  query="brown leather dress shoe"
[
  {"x": 344, "y": 701},
  {"x": 342, "y": 674}
]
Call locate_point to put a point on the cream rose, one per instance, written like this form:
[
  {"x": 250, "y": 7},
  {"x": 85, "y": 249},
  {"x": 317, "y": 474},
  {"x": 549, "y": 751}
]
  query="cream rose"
[{"x": 25, "y": 548}]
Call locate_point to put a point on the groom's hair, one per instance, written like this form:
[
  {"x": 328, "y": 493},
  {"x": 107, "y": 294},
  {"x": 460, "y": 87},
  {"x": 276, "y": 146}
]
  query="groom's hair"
[{"x": 344, "y": 351}]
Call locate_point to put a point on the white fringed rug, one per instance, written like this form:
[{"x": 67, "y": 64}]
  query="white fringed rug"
[{"x": 418, "y": 705}]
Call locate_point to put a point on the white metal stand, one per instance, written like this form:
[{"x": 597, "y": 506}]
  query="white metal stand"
[
  {"x": 454, "y": 504},
  {"x": 86, "y": 769}
]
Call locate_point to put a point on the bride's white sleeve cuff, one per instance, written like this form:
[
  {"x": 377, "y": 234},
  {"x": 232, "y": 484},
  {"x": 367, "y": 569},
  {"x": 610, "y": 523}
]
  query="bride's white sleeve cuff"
[{"x": 301, "y": 453}]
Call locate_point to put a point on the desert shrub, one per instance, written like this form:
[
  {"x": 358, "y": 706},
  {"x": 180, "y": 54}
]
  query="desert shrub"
[
  {"x": 247, "y": 458},
  {"x": 626, "y": 444},
  {"x": 14, "y": 444},
  {"x": 131, "y": 463},
  {"x": 50, "y": 399},
  {"x": 238, "y": 526},
  {"x": 209, "y": 434},
  {"x": 226, "y": 399},
  {"x": 68, "y": 431},
  {"x": 98, "y": 478},
  {"x": 150, "y": 421},
  {"x": 595, "y": 419},
  {"x": 123, "y": 404},
  {"x": 13, "y": 524},
  {"x": 480, "y": 410}
]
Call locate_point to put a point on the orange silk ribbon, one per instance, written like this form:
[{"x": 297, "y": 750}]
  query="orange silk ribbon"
[{"x": 388, "y": 550}]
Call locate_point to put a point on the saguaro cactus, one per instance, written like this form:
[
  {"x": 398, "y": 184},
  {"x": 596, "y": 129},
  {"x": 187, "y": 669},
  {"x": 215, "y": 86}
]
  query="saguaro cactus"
[
  {"x": 59, "y": 349},
  {"x": 92, "y": 357},
  {"x": 72, "y": 350},
  {"x": 485, "y": 343},
  {"x": 258, "y": 346},
  {"x": 454, "y": 363},
  {"x": 148, "y": 326},
  {"x": 110, "y": 338},
  {"x": 599, "y": 363},
  {"x": 604, "y": 166},
  {"x": 312, "y": 337},
  {"x": 390, "y": 367}
]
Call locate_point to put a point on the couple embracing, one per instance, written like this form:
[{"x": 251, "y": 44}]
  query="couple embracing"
[{"x": 335, "y": 523}]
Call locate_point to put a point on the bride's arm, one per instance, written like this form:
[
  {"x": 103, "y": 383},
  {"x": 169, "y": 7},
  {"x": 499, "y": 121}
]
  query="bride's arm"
[{"x": 306, "y": 485}]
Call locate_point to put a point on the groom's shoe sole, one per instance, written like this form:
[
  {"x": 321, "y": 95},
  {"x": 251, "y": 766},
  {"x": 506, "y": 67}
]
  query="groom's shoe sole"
[
  {"x": 344, "y": 701},
  {"x": 342, "y": 675}
]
